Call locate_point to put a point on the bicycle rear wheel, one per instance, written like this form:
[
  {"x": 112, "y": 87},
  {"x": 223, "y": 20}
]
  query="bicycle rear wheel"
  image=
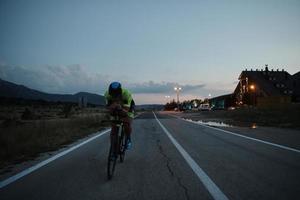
[{"x": 112, "y": 157}]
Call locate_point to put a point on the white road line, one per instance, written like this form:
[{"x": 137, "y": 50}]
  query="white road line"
[
  {"x": 246, "y": 137},
  {"x": 45, "y": 162},
  {"x": 212, "y": 188}
]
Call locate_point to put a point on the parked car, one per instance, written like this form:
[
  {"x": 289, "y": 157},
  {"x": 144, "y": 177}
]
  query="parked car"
[{"x": 204, "y": 107}]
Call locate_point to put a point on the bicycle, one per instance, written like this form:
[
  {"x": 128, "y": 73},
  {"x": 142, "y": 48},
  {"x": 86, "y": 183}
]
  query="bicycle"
[{"x": 117, "y": 146}]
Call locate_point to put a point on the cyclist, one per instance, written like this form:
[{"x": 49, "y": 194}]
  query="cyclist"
[{"x": 119, "y": 100}]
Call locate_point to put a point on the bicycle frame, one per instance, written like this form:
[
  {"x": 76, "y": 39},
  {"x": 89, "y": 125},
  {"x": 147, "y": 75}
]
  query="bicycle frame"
[{"x": 117, "y": 146}]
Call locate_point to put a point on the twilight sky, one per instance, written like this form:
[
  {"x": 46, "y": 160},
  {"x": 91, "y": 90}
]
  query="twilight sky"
[{"x": 149, "y": 46}]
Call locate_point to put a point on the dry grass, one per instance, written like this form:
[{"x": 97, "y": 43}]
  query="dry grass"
[
  {"x": 24, "y": 139},
  {"x": 278, "y": 116}
]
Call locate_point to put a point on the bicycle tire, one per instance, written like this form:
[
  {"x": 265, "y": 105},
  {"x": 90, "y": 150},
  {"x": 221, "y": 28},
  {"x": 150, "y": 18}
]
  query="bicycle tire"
[
  {"x": 122, "y": 146},
  {"x": 111, "y": 163}
]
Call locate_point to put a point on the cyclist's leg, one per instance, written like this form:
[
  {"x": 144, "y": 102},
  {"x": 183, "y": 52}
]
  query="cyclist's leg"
[
  {"x": 127, "y": 126},
  {"x": 114, "y": 130},
  {"x": 113, "y": 133},
  {"x": 127, "y": 130}
]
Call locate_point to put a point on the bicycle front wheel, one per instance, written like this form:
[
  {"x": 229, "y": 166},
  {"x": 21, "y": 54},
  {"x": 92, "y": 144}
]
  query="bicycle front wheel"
[
  {"x": 112, "y": 157},
  {"x": 122, "y": 142}
]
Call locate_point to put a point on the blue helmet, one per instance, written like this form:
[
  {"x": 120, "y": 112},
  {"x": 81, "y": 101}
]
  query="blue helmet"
[{"x": 115, "y": 89}]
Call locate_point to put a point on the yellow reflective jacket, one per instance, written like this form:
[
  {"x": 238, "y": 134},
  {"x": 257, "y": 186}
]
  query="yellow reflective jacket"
[{"x": 126, "y": 100}]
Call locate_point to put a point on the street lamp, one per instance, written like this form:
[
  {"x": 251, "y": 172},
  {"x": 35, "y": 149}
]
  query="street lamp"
[
  {"x": 177, "y": 89},
  {"x": 252, "y": 88},
  {"x": 167, "y": 97}
]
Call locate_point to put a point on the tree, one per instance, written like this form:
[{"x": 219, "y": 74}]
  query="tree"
[{"x": 170, "y": 106}]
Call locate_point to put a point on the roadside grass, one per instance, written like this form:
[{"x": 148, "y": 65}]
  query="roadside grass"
[
  {"x": 279, "y": 115},
  {"x": 284, "y": 116},
  {"x": 26, "y": 139}
]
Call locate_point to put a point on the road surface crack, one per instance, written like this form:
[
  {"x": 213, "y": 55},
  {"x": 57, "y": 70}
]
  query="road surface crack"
[{"x": 168, "y": 161}]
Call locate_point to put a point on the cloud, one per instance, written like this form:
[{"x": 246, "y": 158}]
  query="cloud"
[
  {"x": 75, "y": 78},
  {"x": 163, "y": 87}
]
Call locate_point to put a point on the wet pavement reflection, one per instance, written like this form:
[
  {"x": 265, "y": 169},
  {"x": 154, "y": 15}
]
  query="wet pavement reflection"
[{"x": 210, "y": 123}]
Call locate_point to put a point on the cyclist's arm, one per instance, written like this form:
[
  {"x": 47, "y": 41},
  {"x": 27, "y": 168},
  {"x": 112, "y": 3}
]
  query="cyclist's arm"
[
  {"x": 110, "y": 105},
  {"x": 127, "y": 102}
]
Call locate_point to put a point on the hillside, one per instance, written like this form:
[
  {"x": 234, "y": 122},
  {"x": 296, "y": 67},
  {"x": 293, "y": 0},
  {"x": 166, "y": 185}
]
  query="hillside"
[{"x": 12, "y": 90}]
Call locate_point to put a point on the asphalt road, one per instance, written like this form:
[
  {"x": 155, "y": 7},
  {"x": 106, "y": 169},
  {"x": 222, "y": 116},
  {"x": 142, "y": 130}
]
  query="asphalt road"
[{"x": 155, "y": 169}]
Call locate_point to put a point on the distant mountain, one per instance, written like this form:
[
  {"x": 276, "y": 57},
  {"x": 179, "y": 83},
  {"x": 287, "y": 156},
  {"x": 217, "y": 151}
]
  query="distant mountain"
[{"x": 11, "y": 90}]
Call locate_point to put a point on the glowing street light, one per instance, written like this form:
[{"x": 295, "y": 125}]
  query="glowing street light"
[
  {"x": 167, "y": 97},
  {"x": 252, "y": 87},
  {"x": 177, "y": 89},
  {"x": 195, "y": 104}
]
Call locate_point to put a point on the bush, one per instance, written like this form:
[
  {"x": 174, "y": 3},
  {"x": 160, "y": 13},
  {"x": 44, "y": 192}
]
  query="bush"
[{"x": 28, "y": 115}]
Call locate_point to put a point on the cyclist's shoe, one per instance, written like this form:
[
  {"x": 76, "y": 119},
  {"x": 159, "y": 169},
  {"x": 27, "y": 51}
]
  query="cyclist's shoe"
[{"x": 128, "y": 144}]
